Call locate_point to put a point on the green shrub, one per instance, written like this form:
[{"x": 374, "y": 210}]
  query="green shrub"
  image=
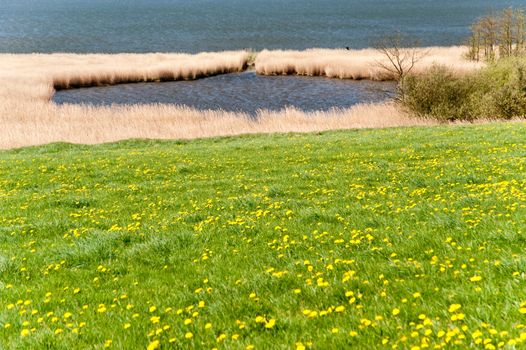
[{"x": 495, "y": 92}]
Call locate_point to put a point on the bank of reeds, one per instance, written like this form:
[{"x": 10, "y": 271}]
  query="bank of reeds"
[
  {"x": 41, "y": 123},
  {"x": 356, "y": 64},
  {"x": 29, "y": 117}
]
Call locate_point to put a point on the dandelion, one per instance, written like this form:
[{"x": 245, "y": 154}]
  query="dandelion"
[
  {"x": 457, "y": 317},
  {"x": 454, "y": 307},
  {"x": 154, "y": 345},
  {"x": 270, "y": 323},
  {"x": 300, "y": 346}
]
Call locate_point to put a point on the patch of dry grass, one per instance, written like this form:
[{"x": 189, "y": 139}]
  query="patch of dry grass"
[
  {"x": 28, "y": 117},
  {"x": 355, "y": 64},
  {"x": 41, "y": 123},
  {"x": 34, "y": 76}
]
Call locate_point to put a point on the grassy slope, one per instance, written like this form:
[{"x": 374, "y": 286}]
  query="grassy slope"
[{"x": 96, "y": 239}]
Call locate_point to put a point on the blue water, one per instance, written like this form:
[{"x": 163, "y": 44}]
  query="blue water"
[
  {"x": 238, "y": 92},
  {"x": 212, "y": 25}
]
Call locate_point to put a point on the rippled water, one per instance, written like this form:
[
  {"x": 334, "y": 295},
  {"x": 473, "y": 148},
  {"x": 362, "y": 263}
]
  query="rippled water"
[
  {"x": 212, "y": 25},
  {"x": 245, "y": 92}
]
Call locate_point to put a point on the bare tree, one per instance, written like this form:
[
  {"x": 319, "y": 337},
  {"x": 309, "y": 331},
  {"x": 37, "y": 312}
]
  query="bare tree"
[
  {"x": 498, "y": 35},
  {"x": 506, "y": 34},
  {"x": 520, "y": 32},
  {"x": 475, "y": 42},
  {"x": 401, "y": 54}
]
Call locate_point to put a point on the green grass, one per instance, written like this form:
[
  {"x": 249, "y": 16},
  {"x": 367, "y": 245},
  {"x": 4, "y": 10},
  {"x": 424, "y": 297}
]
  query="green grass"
[{"x": 116, "y": 245}]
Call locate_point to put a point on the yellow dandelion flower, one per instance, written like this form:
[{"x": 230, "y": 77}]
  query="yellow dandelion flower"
[
  {"x": 271, "y": 323},
  {"x": 454, "y": 307},
  {"x": 154, "y": 345}
]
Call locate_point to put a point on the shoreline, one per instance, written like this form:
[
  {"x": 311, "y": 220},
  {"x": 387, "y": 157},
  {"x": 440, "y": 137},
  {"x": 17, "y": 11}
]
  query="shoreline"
[{"x": 29, "y": 117}]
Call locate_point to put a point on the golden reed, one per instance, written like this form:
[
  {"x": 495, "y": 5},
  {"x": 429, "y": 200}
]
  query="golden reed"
[
  {"x": 356, "y": 64},
  {"x": 29, "y": 117}
]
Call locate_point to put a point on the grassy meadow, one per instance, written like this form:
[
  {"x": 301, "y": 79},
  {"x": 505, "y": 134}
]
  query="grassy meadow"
[{"x": 405, "y": 238}]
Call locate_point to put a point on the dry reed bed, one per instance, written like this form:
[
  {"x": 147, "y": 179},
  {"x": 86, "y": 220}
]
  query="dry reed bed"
[
  {"x": 355, "y": 64},
  {"x": 28, "y": 117},
  {"x": 42, "y": 123}
]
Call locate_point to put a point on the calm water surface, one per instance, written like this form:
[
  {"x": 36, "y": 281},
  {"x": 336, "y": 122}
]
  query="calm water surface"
[
  {"x": 246, "y": 92},
  {"x": 212, "y": 25}
]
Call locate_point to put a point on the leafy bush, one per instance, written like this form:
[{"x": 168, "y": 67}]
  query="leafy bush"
[{"x": 496, "y": 92}]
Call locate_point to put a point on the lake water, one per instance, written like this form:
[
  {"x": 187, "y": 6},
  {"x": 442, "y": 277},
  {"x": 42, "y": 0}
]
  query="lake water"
[
  {"x": 246, "y": 92},
  {"x": 215, "y": 25},
  {"x": 212, "y": 25}
]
